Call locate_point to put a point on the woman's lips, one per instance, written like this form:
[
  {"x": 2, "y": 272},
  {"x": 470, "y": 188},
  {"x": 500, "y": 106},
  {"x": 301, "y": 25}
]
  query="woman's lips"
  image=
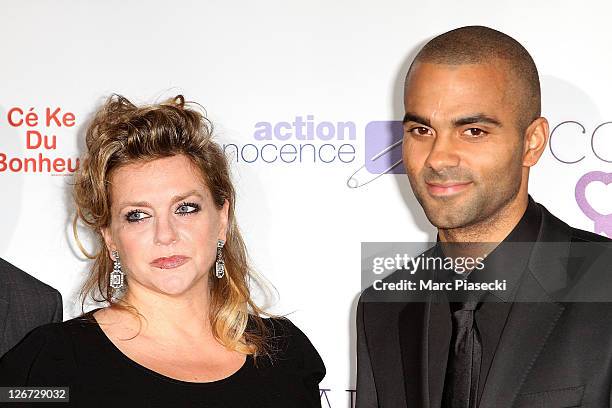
[
  {"x": 170, "y": 262},
  {"x": 446, "y": 189}
]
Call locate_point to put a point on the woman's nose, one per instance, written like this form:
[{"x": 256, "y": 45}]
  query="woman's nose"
[{"x": 165, "y": 231}]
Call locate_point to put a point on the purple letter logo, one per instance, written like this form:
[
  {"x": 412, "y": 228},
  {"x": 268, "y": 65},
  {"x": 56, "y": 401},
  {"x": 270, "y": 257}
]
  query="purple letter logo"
[
  {"x": 383, "y": 152},
  {"x": 603, "y": 222}
]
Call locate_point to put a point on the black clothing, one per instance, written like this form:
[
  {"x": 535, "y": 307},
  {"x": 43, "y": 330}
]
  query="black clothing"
[
  {"x": 464, "y": 357},
  {"x": 546, "y": 343},
  {"x": 78, "y": 354},
  {"x": 25, "y": 303},
  {"x": 508, "y": 262}
]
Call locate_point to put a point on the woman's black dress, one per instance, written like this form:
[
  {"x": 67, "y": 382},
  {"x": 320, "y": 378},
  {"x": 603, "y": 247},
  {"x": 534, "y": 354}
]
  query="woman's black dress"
[{"x": 78, "y": 354}]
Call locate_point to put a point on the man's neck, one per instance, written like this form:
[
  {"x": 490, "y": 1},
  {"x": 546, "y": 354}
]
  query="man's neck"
[{"x": 493, "y": 229}]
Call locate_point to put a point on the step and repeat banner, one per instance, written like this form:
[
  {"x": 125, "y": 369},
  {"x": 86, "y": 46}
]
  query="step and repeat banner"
[{"x": 305, "y": 99}]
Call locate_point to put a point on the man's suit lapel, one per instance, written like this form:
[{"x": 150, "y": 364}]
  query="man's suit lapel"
[
  {"x": 533, "y": 316},
  {"x": 425, "y": 331},
  {"x": 525, "y": 334},
  {"x": 439, "y": 332},
  {"x": 412, "y": 320}
]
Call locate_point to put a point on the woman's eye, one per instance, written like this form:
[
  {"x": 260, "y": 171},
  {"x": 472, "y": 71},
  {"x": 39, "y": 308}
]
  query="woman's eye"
[
  {"x": 187, "y": 208},
  {"x": 474, "y": 132},
  {"x": 135, "y": 216}
]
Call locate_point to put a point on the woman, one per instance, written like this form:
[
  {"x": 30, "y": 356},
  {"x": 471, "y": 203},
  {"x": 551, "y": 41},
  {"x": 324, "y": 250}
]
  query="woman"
[{"x": 180, "y": 328}]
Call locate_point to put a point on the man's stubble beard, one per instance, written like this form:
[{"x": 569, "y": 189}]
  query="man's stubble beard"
[{"x": 478, "y": 206}]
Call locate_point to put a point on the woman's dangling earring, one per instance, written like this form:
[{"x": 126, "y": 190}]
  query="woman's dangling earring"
[
  {"x": 116, "y": 276},
  {"x": 220, "y": 263}
]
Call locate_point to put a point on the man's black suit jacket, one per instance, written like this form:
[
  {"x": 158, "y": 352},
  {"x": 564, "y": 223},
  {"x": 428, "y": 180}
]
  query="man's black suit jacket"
[
  {"x": 25, "y": 303},
  {"x": 551, "y": 353}
]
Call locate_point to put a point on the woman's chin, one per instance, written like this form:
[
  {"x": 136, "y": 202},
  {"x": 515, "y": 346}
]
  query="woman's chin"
[{"x": 175, "y": 286}]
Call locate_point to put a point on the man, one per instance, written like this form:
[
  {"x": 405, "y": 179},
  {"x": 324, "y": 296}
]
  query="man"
[
  {"x": 472, "y": 131},
  {"x": 25, "y": 303}
]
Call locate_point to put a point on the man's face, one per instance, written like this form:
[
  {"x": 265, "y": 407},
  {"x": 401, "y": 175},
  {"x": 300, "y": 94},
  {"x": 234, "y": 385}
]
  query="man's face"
[{"x": 462, "y": 146}]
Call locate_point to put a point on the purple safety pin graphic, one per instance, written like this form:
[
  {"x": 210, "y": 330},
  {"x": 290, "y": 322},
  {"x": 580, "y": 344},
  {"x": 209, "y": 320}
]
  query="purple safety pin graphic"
[
  {"x": 382, "y": 154},
  {"x": 603, "y": 222}
]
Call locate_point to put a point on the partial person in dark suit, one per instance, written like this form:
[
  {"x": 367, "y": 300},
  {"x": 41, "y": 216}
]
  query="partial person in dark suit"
[
  {"x": 472, "y": 131},
  {"x": 25, "y": 303}
]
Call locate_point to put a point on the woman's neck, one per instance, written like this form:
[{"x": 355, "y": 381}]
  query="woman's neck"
[{"x": 169, "y": 318}]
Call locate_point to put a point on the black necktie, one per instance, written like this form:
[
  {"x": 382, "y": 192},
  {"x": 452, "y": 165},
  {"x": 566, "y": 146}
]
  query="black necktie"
[{"x": 464, "y": 357}]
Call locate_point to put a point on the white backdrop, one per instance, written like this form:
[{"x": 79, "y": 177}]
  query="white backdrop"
[{"x": 336, "y": 65}]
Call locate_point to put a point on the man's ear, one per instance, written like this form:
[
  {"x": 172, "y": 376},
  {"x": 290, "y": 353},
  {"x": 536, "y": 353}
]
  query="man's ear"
[
  {"x": 108, "y": 240},
  {"x": 224, "y": 221},
  {"x": 535, "y": 140}
]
